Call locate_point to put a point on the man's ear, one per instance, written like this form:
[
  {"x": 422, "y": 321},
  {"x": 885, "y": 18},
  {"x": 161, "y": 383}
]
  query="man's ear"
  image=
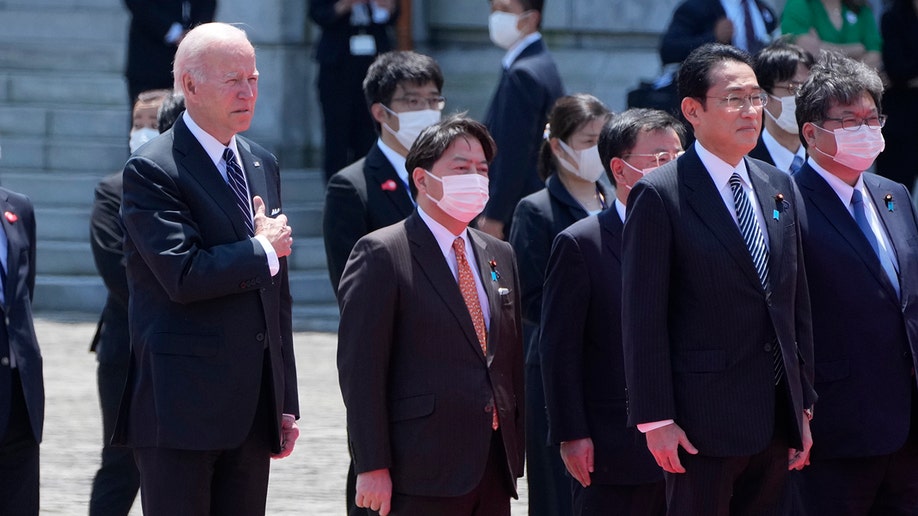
[
  {"x": 419, "y": 176},
  {"x": 690, "y": 108},
  {"x": 529, "y": 22},
  {"x": 379, "y": 113},
  {"x": 809, "y": 133},
  {"x": 617, "y": 166}
]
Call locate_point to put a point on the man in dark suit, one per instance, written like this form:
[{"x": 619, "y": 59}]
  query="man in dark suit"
[
  {"x": 156, "y": 29},
  {"x": 430, "y": 358},
  {"x": 211, "y": 391},
  {"x": 859, "y": 239},
  {"x": 115, "y": 485},
  {"x": 745, "y": 24},
  {"x": 580, "y": 347},
  {"x": 403, "y": 92},
  {"x": 22, "y": 392},
  {"x": 528, "y": 88},
  {"x": 781, "y": 68},
  {"x": 716, "y": 321},
  {"x": 354, "y": 32}
]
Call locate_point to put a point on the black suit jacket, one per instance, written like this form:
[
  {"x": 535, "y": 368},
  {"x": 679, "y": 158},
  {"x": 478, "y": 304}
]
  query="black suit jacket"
[
  {"x": 361, "y": 198},
  {"x": 516, "y": 119},
  {"x": 693, "y": 23},
  {"x": 699, "y": 328},
  {"x": 865, "y": 336},
  {"x": 581, "y": 352},
  {"x": 538, "y": 218},
  {"x": 18, "y": 222},
  {"x": 204, "y": 307},
  {"x": 149, "y": 57},
  {"x": 418, "y": 390},
  {"x": 334, "y": 43},
  {"x": 112, "y": 339}
]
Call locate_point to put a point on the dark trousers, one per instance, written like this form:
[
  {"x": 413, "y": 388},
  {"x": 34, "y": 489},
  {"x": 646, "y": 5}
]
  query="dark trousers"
[
  {"x": 19, "y": 458},
  {"x": 885, "y": 485},
  {"x": 618, "y": 500},
  {"x": 115, "y": 485},
  {"x": 348, "y": 127},
  {"x": 212, "y": 482},
  {"x": 549, "y": 485},
  {"x": 491, "y": 497}
]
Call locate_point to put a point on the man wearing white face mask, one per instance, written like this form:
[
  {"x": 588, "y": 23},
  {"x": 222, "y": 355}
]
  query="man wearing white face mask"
[
  {"x": 859, "y": 233},
  {"x": 781, "y": 68},
  {"x": 429, "y": 347},
  {"x": 528, "y": 88}
]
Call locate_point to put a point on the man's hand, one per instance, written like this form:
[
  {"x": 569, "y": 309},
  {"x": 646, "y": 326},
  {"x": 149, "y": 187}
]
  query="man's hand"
[
  {"x": 289, "y": 434},
  {"x": 723, "y": 31},
  {"x": 276, "y": 230},
  {"x": 798, "y": 459},
  {"x": 664, "y": 444},
  {"x": 578, "y": 459},
  {"x": 495, "y": 228},
  {"x": 374, "y": 491}
]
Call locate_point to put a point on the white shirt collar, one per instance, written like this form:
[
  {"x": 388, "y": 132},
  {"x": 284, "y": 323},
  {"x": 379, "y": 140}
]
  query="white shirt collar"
[
  {"x": 395, "y": 159},
  {"x": 719, "y": 169},
  {"x": 620, "y": 209},
  {"x": 782, "y": 157},
  {"x": 212, "y": 146},
  {"x": 518, "y": 48},
  {"x": 444, "y": 236},
  {"x": 841, "y": 188}
]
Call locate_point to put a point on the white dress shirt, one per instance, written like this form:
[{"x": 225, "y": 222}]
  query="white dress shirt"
[
  {"x": 782, "y": 157},
  {"x": 518, "y": 48}
]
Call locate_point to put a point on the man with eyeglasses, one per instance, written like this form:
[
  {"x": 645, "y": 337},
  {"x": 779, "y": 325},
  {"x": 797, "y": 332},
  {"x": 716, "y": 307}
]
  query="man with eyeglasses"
[
  {"x": 716, "y": 325},
  {"x": 402, "y": 90},
  {"x": 859, "y": 239},
  {"x": 781, "y": 68}
]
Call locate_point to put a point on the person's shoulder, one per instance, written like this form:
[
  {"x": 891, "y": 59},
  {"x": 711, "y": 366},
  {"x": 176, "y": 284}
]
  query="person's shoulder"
[
  {"x": 883, "y": 182},
  {"x": 256, "y": 149},
  {"x": 18, "y": 200},
  {"x": 536, "y": 199},
  {"x": 588, "y": 226}
]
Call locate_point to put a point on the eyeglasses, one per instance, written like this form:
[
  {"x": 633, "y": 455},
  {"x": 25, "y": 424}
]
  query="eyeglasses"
[
  {"x": 661, "y": 158},
  {"x": 418, "y": 103},
  {"x": 736, "y": 103},
  {"x": 792, "y": 87},
  {"x": 853, "y": 124}
]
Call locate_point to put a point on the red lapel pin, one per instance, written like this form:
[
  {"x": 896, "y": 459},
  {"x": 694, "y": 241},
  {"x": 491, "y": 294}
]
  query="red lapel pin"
[
  {"x": 389, "y": 185},
  {"x": 10, "y": 217}
]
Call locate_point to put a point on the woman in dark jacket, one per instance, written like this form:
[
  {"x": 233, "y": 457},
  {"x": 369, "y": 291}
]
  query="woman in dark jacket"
[{"x": 570, "y": 166}]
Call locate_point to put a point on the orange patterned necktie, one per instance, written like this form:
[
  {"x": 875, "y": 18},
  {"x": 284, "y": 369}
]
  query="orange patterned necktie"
[{"x": 470, "y": 295}]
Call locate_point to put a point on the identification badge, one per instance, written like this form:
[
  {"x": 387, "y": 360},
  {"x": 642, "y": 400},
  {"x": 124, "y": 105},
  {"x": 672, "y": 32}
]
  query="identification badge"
[{"x": 363, "y": 45}]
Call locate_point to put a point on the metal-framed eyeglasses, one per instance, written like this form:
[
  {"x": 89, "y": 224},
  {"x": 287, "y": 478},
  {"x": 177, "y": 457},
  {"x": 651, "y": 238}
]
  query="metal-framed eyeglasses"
[
  {"x": 736, "y": 102},
  {"x": 853, "y": 124},
  {"x": 416, "y": 103},
  {"x": 792, "y": 87},
  {"x": 661, "y": 158}
]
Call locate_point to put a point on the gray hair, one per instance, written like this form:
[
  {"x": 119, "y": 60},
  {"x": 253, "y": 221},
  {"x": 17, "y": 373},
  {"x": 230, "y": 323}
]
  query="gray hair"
[
  {"x": 190, "y": 58},
  {"x": 835, "y": 79}
]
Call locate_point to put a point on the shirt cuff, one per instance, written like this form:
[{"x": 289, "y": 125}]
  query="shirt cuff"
[
  {"x": 273, "y": 262},
  {"x": 175, "y": 32},
  {"x": 646, "y": 427}
]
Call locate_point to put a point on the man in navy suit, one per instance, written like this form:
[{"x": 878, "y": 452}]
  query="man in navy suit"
[
  {"x": 430, "y": 351},
  {"x": 211, "y": 392},
  {"x": 715, "y": 316},
  {"x": 22, "y": 393},
  {"x": 580, "y": 347},
  {"x": 860, "y": 239},
  {"x": 528, "y": 88},
  {"x": 745, "y": 24},
  {"x": 403, "y": 91}
]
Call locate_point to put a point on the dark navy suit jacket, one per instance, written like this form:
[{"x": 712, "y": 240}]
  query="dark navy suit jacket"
[
  {"x": 865, "y": 336},
  {"x": 693, "y": 24},
  {"x": 516, "y": 119},
  {"x": 582, "y": 367}
]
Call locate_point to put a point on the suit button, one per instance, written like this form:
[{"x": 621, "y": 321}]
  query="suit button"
[
  {"x": 5, "y": 361},
  {"x": 260, "y": 337},
  {"x": 767, "y": 348}
]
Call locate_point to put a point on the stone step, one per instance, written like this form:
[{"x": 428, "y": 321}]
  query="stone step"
[
  {"x": 310, "y": 287},
  {"x": 36, "y": 152},
  {"x": 65, "y": 258},
  {"x": 44, "y": 6},
  {"x": 62, "y": 223},
  {"x": 63, "y": 56},
  {"x": 50, "y": 189},
  {"x": 81, "y": 89},
  {"x": 35, "y": 21},
  {"x": 308, "y": 254},
  {"x": 301, "y": 185}
]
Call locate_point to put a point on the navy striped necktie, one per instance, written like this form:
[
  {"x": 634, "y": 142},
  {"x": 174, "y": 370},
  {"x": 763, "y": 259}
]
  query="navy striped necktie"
[{"x": 236, "y": 182}]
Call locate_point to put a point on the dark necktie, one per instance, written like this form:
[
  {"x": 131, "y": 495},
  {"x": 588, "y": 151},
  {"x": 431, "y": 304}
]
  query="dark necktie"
[
  {"x": 470, "y": 295},
  {"x": 236, "y": 182},
  {"x": 755, "y": 243},
  {"x": 752, "y": 42},
  {"x": 796, "y": 164}
]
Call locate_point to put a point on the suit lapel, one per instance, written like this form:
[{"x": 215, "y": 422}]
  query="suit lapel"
[
  {"x": 611, "y": 226},
  {"x": 483, "y": 259},
  {"x": 255, "y": 175},
  {"x": 379, "y": 173},
  {"x": 824, "y": 199},
  {"x": 894, "y": 223},
  {"x": 767, "y": 194},
  {"x": 705, "y": 200},
  {"x": 426, "y": 252},
  {"x": 13, "y": 244}
]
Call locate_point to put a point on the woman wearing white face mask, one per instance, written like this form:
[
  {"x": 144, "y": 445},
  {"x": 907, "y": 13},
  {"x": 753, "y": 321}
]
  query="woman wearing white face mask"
[
  {"x": 570, "y": 166},
  {"x": 781, "y": 68}
]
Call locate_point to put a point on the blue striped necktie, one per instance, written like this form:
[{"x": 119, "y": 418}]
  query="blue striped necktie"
[{"x": 236, "y": 182}]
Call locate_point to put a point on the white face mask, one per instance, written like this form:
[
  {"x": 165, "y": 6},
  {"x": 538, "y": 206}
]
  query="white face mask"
[
  {"x": 588, "y": 164},
  {"x": 141, "y": 136},
  {"x": 787, "y": 121},
  {"x": 641, "y": 171},
  {"x": 502, "y": 29},
  {"x": 410, "y": 124},
  {"x": 856, "y": 149},
  {"x": 464, "y": 195}
]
